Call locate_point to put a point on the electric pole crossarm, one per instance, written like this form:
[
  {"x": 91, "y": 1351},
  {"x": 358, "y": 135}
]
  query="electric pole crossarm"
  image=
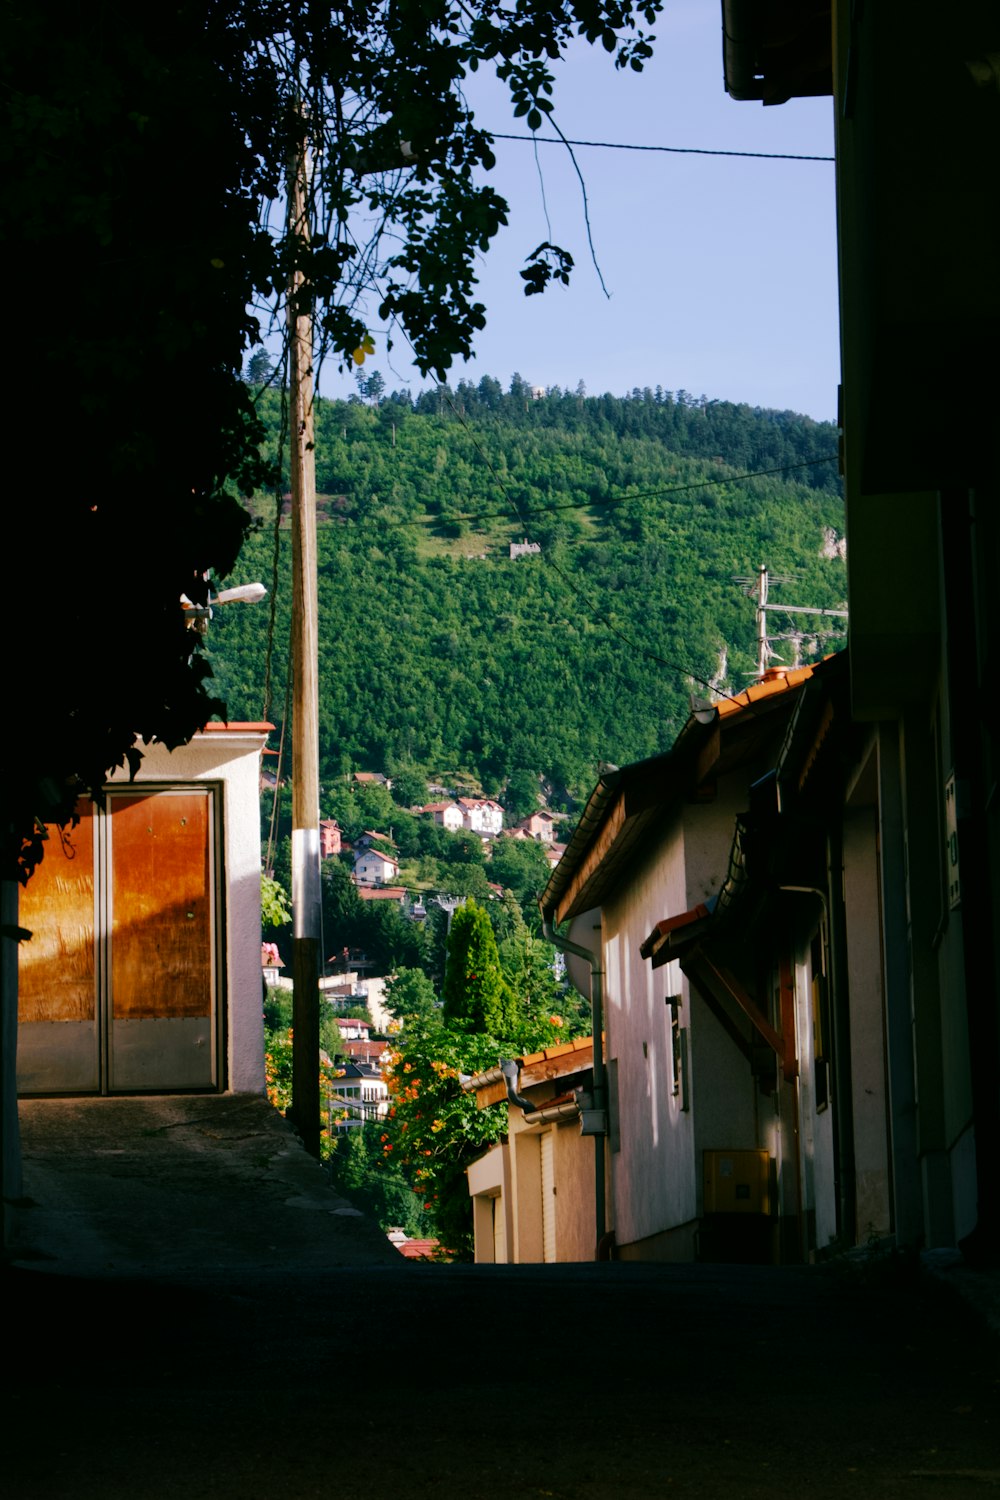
[{"x": 805, "y": 609}]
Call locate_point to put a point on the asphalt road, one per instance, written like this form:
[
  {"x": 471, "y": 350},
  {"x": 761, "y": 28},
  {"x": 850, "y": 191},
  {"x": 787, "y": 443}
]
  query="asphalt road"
[{"x": 281, "y": 1369}]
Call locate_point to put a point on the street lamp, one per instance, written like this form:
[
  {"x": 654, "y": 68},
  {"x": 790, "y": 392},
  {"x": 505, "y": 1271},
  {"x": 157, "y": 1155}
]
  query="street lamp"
[{"x": 197, "y": 616}]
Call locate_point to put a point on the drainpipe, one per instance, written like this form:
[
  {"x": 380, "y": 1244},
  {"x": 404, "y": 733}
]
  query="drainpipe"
[
  {"x": 600, "y": 1084},
  {"x": 832, "y": 900},
  {"x": 841, "y": 1017}
]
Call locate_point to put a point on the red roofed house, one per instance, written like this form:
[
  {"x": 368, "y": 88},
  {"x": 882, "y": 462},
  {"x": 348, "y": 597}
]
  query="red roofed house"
[
  {"x": 329, "y": 838},
  {"x": 481, "y": 814},
  {"x": 374, "y": 867},
  {"x": 518, "y": 1216},
  {"x": 540, "y": 826},
  {"x": 395, "y": 893},
  {"x": 446, "y": 815}
]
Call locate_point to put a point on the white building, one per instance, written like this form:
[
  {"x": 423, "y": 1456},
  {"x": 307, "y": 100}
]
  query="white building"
[
  {"x": 375, "y": 867},
  {"x": 481, "y": 815},
  {"x": 144, "y": 970}
]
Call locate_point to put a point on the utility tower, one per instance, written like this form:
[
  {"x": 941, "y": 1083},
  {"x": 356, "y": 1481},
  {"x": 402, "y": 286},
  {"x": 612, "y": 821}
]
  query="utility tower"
[{"x": 758, "y": 588}]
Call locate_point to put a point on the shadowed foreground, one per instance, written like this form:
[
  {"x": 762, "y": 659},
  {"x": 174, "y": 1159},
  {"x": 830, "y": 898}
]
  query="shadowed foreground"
[{"x": 282, "y": 1373}]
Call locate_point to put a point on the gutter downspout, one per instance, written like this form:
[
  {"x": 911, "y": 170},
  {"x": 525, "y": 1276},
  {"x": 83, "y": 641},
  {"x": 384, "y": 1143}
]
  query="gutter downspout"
[
  {"x": 832, "y": 900},
  {"x": 600, "y": 1081},
  {"x": 841, "y": 1017}
]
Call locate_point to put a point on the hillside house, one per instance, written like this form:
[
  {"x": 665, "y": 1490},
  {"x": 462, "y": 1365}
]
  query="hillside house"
[
  {"x": 371, "y": 778},
  {"x": 330, "y": 838},
  {"x": 353, "y": 1030},
  {"x": 397, "y": 893},
  {"x": 370, "y": 839},
  {"x": 144, "y": 971},
  {"x": 374, "y": 867},
  {"x": 271, "y": 963},
  {"x": 481, "y": 815},
  {"x": 446, "y": 815},
  {"x": 360, "y": 1095},
  {"x": 540, "y": 826},
  {"x": 373, "y": 1050}
]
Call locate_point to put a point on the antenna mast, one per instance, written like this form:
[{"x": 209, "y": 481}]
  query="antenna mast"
[{"x": 758, "y": 587}]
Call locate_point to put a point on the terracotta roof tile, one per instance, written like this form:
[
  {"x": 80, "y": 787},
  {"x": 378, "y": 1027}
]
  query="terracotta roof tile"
[{"x": 766, "y": 689}]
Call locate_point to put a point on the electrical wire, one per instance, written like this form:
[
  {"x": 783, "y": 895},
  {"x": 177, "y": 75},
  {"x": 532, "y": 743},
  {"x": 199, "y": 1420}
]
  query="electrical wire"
[
  {"x": 676, "y": 489},
  {"x": 499, "y": 135}
]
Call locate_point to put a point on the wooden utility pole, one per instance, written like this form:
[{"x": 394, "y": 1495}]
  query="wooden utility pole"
[
  {"x": 305, "y": 687},
  {"x": 762, "y": 647},
  {"x": 764, "y": 608}
]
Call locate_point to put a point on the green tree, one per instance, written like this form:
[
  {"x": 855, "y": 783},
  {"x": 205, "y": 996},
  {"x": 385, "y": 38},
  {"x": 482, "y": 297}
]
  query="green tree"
[
  {"x": 476, "y": 993},
  {"x": 434, "y": 1128},
  {"x": 520, "y": 796},
  {"x": 259, "y": 367},
  {"x": 410, "y": 995},
  {"x": 372, "y": 386},
  {"x": 102, "y": 125},
  {"x": 521, "y": 866},
  {"x": 374, "y": 1181},
  {"x": 409, "y": 787},
  {"x": 275, "y": 910},
  {"x": 466, "y": 880}
]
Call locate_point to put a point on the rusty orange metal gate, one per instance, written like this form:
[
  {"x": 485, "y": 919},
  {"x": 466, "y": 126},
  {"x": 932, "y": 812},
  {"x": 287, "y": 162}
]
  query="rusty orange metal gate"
[{"x": 118, "y": 987}]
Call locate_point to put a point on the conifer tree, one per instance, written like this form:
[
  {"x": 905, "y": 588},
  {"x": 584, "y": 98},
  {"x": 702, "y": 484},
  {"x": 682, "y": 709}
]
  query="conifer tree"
[{"x": 475, "y": 990}]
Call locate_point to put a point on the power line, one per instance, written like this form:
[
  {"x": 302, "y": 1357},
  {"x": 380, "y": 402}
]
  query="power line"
[
  {"x": 499, "y": 135},
  {"x": 676, "y": 489}
]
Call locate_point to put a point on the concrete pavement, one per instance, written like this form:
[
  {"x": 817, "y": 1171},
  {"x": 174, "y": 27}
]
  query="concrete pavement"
[
  {"x": 196, "y": 1314},
  {"x": 178, "y": 1186}
]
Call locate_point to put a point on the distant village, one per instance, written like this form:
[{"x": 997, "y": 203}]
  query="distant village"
[{"x": 365, "y": 1043}]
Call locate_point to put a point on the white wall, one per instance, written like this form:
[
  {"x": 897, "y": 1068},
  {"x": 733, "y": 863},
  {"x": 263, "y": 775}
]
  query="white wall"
[
  {"x": 656, "y": 1175},
  {"x": 653, "y": 1173}
]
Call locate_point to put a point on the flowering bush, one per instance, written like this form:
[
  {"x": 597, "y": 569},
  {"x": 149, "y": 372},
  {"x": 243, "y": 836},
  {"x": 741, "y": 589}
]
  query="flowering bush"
[
  {"x": 434, "y": 1129},
  {"x": 278, "y": 1081}
]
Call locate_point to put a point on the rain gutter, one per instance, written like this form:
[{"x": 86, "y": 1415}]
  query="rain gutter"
[{"x": 599, "y": 1124}]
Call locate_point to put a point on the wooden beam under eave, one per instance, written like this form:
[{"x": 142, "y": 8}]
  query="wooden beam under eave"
[
  {"x": 490, "y": 1093},
  {"x": 573, "y": 1060},
  {"x": 729, "y": 1026},
  {"x": 748, "y": 1006},
  {"x": 708, "y": 757},
  {"x": 594, "y": 858}
]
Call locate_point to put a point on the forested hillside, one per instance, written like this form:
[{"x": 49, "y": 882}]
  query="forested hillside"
[{"x": 440, "y": 652}]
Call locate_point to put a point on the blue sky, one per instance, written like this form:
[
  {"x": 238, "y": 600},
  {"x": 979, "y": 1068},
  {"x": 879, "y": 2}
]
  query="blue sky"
[{"x": 722, "y": 270}]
